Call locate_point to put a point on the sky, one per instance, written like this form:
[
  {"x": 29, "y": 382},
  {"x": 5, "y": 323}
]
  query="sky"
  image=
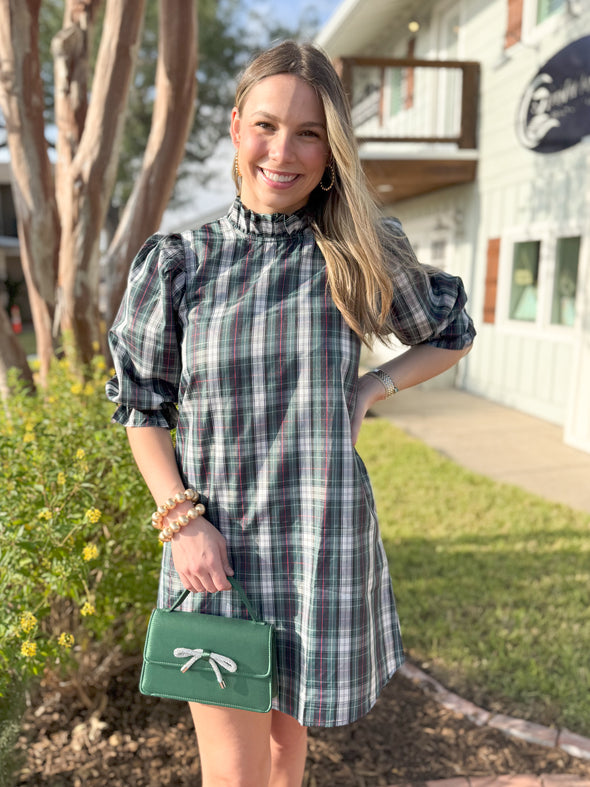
[{"x": 289, "y": 12}]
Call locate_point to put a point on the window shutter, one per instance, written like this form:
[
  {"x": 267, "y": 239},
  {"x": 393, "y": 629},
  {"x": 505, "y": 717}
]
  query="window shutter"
[
  {"x": 514, "y": 23},
  {"x": 489, "y": 304}
]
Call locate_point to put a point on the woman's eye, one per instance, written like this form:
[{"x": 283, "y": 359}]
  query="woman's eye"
[{"x": 263, "y": 124}]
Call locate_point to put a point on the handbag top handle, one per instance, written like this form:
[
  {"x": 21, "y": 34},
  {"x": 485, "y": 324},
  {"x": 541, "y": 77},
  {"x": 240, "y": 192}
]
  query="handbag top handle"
[{"x": 236, "y": 585}]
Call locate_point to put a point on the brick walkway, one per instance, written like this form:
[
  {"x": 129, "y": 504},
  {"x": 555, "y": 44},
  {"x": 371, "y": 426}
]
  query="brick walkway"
[{"x": 554, "y": 780}]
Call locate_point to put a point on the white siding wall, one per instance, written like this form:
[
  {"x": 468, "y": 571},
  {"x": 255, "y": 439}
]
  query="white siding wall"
[
  {"x": 518, "y": 195},
  {"x": 523, "y": 195}
]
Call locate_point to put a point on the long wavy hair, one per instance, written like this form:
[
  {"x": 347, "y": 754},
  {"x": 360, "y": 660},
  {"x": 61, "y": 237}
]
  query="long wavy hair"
[{"x": 360, "y": 249}]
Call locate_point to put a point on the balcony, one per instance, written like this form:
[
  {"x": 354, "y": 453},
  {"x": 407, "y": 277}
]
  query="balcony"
[{"x": 415, "y": 122}]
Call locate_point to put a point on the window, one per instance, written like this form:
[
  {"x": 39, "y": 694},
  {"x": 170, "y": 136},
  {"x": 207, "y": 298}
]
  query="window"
[
  {"x": 525, "y": 280},
  {"x": 547, "y": 7},
  {"x": 565, "y": 281},
  {"x": 395, "y": 91}
]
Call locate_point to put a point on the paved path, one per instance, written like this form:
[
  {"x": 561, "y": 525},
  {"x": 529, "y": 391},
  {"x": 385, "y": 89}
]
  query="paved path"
[
  {"x": 515, "y": 448},
  {"x": 496, "y": 441}
]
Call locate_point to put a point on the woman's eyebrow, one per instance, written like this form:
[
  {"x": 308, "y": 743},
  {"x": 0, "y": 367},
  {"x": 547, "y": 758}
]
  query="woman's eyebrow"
[{"x": 306, "y": 123}]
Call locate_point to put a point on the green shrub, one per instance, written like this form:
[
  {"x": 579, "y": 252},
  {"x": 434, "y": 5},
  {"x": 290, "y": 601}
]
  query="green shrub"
[{"x": 78, "y": 559}]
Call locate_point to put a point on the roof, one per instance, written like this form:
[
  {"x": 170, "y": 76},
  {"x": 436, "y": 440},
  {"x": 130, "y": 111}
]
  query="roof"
[{"x": 356, "y": 24}]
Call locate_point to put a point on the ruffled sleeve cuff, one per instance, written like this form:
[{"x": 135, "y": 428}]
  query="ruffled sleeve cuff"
[{"x": 166, "y": 417}]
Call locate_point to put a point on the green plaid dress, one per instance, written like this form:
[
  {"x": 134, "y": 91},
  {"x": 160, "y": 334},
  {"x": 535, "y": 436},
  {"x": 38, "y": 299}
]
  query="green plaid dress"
[{"x": 233, "y": 324}]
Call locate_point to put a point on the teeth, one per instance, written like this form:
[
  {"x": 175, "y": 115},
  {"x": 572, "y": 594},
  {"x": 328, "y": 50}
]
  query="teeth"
[{"x": 278, "y": 178}]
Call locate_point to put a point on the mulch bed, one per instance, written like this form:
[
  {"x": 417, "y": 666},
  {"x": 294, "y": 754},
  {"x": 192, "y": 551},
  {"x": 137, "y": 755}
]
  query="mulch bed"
[{"x": 84, "y": 736}]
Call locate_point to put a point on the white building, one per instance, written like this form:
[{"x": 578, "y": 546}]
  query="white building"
[{"x": 484, "y": 157}]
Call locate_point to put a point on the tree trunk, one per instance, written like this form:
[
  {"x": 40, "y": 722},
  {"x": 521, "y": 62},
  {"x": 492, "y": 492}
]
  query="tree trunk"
[
  {"x": 171, "y": 123},
  {"x": 21, "y": 100},
  {"x": 70, "y": 49},
  {"x": 88, "y": 182},
  {"x": 12, "y": 356}
]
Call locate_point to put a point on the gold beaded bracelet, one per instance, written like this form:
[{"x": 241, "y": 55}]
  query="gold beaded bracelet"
[
  {"x": 163, "y": 510},
  {"x": 167, "y": 533}
]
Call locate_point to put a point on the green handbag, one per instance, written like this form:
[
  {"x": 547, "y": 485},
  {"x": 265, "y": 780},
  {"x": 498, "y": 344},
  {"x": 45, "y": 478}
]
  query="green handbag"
[{"x": 211, "y": 659}]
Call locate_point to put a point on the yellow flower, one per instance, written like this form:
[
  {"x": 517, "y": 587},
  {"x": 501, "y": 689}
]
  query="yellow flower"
[
  {"x": 77, "y": 389},
  {"x": 112, "y": 372},
  {"x": 61, "y": 478},
  {"x": 93, "y": 515},
  {"x": 95, "y": 346},
  {"x": 80, "y": 454},
  {"x": 28, "y": 648},
  {"x": 29, "y": 426},
  {"x": 28, "y": 437},
  {"x": 100, "y": 364},
  {"x": 87, "y": 609},
  {"x": 45, "y": 514},
  {"x": 28, "y": 622},
  {"x": 90, "y": 552},
  {"x": 88, "y": 389},
  {"x": 66, "y": 640}
]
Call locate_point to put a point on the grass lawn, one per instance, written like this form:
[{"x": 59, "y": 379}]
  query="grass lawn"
[
  {"x": 27, "y": 340},
  {"x": 492, "y": 582}
]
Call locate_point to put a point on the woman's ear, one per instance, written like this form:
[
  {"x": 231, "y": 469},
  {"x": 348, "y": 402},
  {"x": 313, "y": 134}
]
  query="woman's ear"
[{"x": 235, "y": 127}]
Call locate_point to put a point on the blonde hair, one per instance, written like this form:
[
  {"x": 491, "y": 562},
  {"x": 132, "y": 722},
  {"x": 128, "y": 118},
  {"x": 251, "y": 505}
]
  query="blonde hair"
[{"x": 346, "y": 221}]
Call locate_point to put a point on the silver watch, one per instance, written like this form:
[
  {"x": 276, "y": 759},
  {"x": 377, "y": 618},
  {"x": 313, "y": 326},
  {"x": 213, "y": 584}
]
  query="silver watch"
[{"x": 390, "y": 387}]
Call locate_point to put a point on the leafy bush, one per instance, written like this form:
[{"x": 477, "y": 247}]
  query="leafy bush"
[{"x": 78, "y": 559}]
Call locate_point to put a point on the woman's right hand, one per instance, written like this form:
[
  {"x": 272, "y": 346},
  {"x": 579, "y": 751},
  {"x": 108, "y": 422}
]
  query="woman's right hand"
[{"x": 200, "y": 557}]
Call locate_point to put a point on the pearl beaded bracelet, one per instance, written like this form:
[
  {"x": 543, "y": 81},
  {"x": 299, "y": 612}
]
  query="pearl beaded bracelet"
[
  {"x": 171, "y": 503},
  {"x": 167, "y": 532}
]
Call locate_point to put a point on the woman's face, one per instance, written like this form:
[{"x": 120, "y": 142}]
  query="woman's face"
[{"x": 282, "y": 144}]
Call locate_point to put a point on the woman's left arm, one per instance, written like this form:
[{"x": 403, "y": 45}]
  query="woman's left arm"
[{"x": 416, "y": 365}]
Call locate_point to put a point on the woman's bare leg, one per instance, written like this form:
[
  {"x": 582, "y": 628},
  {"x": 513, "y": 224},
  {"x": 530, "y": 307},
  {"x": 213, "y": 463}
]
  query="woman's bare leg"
[
  {"x": 288, "y": 750},
  {"x": 234, "y": 746}
]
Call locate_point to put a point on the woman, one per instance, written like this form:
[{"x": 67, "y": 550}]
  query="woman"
[{"x": 252, "y": 325}]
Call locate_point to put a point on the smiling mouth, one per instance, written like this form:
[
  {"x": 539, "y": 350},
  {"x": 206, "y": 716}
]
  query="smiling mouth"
[{"x": 275, "y": 177}]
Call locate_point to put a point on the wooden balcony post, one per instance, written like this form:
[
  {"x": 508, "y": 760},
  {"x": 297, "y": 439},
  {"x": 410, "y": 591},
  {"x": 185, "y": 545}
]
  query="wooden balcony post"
[
  {"x": 343, "y": 66},
  {"x": 469, "y": 104}
]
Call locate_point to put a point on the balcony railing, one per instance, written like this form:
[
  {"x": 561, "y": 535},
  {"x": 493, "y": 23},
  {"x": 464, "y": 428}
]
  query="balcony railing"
[{"x": 413, "y": 102}]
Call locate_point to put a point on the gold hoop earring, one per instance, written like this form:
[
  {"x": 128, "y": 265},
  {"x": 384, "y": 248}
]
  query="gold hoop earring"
[
  {"x": 237, "y": 172},
  {"x": 332, "y": 176}
]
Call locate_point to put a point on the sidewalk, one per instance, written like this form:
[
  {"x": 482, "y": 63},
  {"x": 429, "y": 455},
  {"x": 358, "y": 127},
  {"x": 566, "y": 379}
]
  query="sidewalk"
[
  {"x": 508, "y": 446},
  {"x": 493, "y": 440}
]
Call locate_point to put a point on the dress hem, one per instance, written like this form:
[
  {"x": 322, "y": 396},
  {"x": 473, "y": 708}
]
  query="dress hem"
[{"x": 357, "y": 716}]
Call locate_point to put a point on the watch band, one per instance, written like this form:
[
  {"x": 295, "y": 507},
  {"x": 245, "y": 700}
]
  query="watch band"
[{"x": 390, "y": 387}]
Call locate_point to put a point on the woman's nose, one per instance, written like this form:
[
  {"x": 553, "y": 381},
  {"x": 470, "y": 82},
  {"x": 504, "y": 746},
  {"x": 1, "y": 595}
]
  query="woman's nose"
[{"x": 282, "y": 148}]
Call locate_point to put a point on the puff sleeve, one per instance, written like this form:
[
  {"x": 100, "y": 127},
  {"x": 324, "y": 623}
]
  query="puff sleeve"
[
  {"x": 428, "y": 304},
  {"x": 145, "y": 339}
]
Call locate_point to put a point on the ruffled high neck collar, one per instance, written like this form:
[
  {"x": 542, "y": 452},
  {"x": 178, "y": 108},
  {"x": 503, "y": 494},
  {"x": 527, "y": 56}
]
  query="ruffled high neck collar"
[{"x": 267, "y": 223}]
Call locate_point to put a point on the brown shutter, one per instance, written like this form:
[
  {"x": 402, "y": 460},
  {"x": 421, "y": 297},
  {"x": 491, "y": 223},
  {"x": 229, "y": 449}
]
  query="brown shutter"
[
  {"x": 514, "y": 23},
  {"x": 489, "y": 304}
]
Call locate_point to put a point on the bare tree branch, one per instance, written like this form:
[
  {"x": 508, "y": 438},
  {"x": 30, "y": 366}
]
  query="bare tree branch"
[
  {"x": 21, "y": 101},
  {"x": 171, "y": 122},
  {"x": 89, "y": 181}
]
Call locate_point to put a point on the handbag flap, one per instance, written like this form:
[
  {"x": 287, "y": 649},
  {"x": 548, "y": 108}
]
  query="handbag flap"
[{"x": 246, "y": 642}]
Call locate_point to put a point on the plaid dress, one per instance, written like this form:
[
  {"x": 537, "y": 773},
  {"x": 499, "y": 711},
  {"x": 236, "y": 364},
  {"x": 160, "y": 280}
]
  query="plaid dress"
[{"x": 234, "y": 324}]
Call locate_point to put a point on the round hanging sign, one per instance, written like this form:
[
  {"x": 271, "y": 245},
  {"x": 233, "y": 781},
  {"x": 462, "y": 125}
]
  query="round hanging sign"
[{"x": 554, "y": 111}]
